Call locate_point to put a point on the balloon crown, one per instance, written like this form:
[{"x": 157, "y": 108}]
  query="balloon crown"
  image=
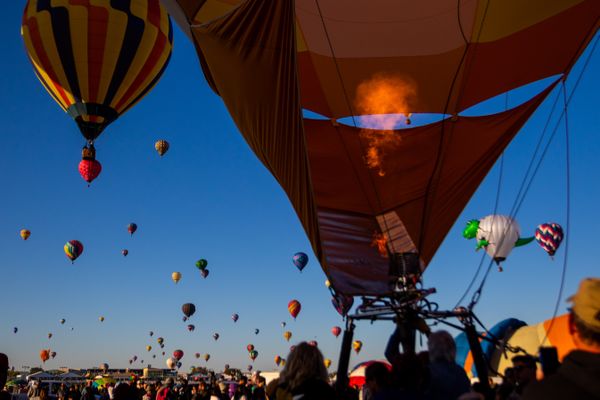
[
  {"x": 88, "y": 152},
  {"x": 470, "y": 231}
]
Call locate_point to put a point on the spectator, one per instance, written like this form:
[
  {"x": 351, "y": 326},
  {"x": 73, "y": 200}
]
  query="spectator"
[
  {"x": 378, "y": 382},
  {"x": 447, "y": 380},
  {"x": 579, "y": 375},
  {"x": 525, "y": 370},
  {"x": 4, "y": 395}
]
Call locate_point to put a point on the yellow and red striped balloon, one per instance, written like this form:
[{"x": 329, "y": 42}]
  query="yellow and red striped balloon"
[
  {"x": 97, "y": 58},
  {"x": 294, "y": 308}
]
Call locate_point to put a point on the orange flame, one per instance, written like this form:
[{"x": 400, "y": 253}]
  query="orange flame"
[
  {"x": 380, "y": 241},
  {"x": 383, "y": 102}
]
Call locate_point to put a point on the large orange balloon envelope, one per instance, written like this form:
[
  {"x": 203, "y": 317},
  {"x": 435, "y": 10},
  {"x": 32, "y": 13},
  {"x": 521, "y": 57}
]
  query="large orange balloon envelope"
[
  {"x": 294, "y": 308},
  {"x": 97, "y": 58}
]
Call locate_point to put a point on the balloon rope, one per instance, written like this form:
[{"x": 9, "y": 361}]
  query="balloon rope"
[{"x": 568, "y": 223}]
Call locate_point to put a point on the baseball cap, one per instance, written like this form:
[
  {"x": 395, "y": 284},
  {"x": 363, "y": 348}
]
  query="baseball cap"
[{"x": 586, "y": 303}]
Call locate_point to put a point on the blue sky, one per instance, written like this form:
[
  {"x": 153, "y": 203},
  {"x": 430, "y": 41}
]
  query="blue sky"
[{"x": 209, "y": 197}]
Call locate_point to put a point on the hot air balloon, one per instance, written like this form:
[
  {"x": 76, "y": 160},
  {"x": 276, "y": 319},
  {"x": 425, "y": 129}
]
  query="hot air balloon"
[
  {"x": 130, "y": 361},
  {"x": 15, "y": 329},
  {"x": 73, "y": 249},
  {"x": 160, "y": 340},
  {"x": 163, "y": 353},
  {"x": 256, "y": 331},
  {"x": 287, "y": 335},
  {"x": 62, "y": 321},
  {"x": 292, "y": 347},
  {"x": 283, "y": 324},
  {"x": 327, "y": 283},
  {"x": 204, "y": 273},
  {"x": 253, "y": 354},
  {"x": 342, "y": 303},
  {"x": 44, "y": 355},
  {"x": 549, "y": 236},
  {"x": 176, "y": 276},
  {"x": 294, "y": 308},
  {"x": 161, "y": 146},
  {"x": 235, "y": 317},
  {"x": 135, "y": 358},
  {"x": 92, "y": 85},
  {"x": 184, "y": 318},
  {"x": 336, "y": 330},
  {"x": 53, "y": 354},
  {"x": 283, "y": 362},
  {"x": 197, "y": 355},
  {"x": 206, "y": 357},
  {"x": 178, "y": 354},
  {"x": 300, "y": 260},
  {"x": 191, "y": 328},
  {"x": 277, "y": 360},
  {"x": 249, "y": 367},
  {"x": 216, "y": 336},
  {"x": 124, "y": 252},
  {"x": 101, "y": 319},
  {"x": 153, "y": 355},
  {"x": 357, "y": 345},
  {"x": 179, "y": 364},
  {"x": 201, "y": 264},
  {"x": 317, "y": 178},
  {"x": 226, "y": 367},
  {"x": 103, "y": 366},
  {"x": 151, "y": 333},
  {"x": 171, "y": 363},
  {"x": 327, "y": 362},
  {"x": 49, "y": 336},
  {"x": 25, "y": 233},
  {"x": 188, "y": 309},
  {"x": 497, "y": 234},
  {"x": 148, "y": 348},
  {"x": 250, "y": 347},
  {"x": 131, "y": 228}
]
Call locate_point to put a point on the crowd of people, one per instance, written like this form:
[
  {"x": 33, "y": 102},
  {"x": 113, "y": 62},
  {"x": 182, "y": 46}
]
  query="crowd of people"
[{"x": 428, "y": 375}]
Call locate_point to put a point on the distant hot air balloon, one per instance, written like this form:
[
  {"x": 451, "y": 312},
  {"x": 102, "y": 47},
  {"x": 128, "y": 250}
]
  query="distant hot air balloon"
[
  {"x": 206, "y": 357},
  {"x": 130, "y": 361},
  {"x": 135, "y": 358},
  {"x": 336, "y": 330},
  {"x": 226, "y": 367},
  {"x": 25, "y": 233},
  {"x": 176, "y": 276},
  {"x": 277, "y": 360},
  {"x": 283, "y": 324},
  {"x": 216, "y": 336},
  {"x": 178, "y": 354},
  {"x": 201, "y": 264},
  {"x": 204, "y": 273},
  {"x": 49, "y": 335},
  {"x": 294, "y": 308},
  {"x": 62, "y": 321},
  {"x": 163, "y": 353},
  {"x": 73, "y": 249},
  {"x": 131, "y": 228},
  {"x": 153, "y": 355},
  {"x": 497, "y": 234},
  {"x": 151, "y": 333},
  {"x": 300, "y": 260},
  {"x": 235, "y": 317},
  {"x": 287, "y": 335},
  {"x": 101, "y": 319},
  {"x": 171, "y": 363},
  {"x": 89, "y": 167},
  {"x": 283, "y": 362},
  {"x": 160, "y": 340},
  {"x": 327, "y": 283},
  {"x": 327, "y": 362},
  {"x": 249, "y": 367},
  {"x": 53, "y": 354},
  {"x": 15, "y": 329},
  {"x": 188, "y": 309},
  {"x": 148, "y": 348},
  {"x": 184, "y": 318},
  {"x": 44, "y": 355},
  {"x": 161, "y": 146},
  {"x": 250, "y": 347},
  {"x": 549, "y": 236},
  {"x": 124, "y": 252},
  {"x": 357, "y": 345},
  {"x": 342, "y": 303},
  {"x": 197, "y": 355},
  {"x": 179, "y": 364},
  {"x": 191, "y": 328},
  {"x": 103, "y": 366},
  {"x": 256, "y": 331},
  {"x": 253, "y": 354}
]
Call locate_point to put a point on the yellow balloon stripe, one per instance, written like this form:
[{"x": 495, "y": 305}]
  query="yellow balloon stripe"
[{"x": 78, "y": 20}]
